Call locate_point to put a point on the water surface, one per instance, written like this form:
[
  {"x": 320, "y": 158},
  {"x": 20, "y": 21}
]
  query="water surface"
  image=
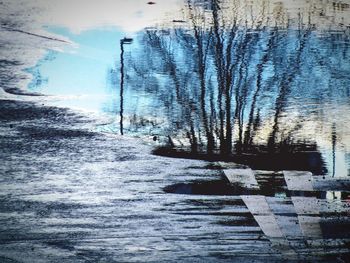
[{"x": 217, "y": 78}]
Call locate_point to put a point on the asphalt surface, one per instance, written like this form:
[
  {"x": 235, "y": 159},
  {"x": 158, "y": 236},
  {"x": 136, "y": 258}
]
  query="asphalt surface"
[{"x": 70, "y": 194}]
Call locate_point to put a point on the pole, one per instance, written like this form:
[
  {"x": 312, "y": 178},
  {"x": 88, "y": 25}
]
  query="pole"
[{"x": 121, "y": 85}]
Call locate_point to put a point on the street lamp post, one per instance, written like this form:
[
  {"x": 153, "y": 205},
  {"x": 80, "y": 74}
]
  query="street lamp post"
[{"x": 123, "y": 41}]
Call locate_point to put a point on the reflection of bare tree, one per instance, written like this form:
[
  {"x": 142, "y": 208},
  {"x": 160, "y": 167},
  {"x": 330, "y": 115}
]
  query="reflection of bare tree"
[
  {"x": 186, "y": 104},
  {"x": 253, "y": 121},
  {"x": 244, "y": 51},
  {"x": 290, "y": 71},
  {"x": 224, "y": 78},
  {"x": 219, "y": 79},
  {"x": 202, "y": 52}
]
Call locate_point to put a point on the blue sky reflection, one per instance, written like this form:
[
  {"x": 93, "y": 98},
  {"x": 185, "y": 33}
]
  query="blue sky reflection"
[{"x": 79, "y": 74}]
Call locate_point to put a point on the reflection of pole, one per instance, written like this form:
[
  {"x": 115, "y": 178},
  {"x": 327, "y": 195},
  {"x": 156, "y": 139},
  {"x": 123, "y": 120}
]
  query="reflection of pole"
[
  {"x": 334, "y": 142},
  {"x": 121, "y": 85},
  {"x": 122, "y": 42}
]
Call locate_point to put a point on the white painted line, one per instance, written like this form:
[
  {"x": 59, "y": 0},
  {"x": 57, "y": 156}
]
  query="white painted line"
[
  {"x": 244, "y": 177},
  {"x": 306, "y": 205},
  {"x": 263, "y": 215},
  {"x": 256, "y": 204},
  {"x": 286, "y": 216},
  {"x": 298, "y": 181},
  {"x": 268, "y": 225},
  {"x": 308, "y": 211},
  {"x": 289, "y": 226},
  {"x": 230, "y": 165}
]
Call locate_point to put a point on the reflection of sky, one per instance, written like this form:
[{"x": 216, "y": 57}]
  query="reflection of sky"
[
  {"x": 80, "y": 76},
  {"x": 81, "y": 72}
]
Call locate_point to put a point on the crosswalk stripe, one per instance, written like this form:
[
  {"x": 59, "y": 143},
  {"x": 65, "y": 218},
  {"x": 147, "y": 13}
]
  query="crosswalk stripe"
[
  {"x": 298, "y": 181},
  {"x": 244, "y": 177}
]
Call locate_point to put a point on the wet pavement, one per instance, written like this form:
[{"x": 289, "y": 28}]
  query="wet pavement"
[{"x": 73, "y": 195}]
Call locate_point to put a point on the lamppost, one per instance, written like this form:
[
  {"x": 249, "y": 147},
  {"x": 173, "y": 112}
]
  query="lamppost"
[{"x": 123, "y": 41}]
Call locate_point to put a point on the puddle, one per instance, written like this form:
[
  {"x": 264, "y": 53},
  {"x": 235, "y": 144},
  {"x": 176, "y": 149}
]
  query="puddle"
[{"x": 269, "y": 87}]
